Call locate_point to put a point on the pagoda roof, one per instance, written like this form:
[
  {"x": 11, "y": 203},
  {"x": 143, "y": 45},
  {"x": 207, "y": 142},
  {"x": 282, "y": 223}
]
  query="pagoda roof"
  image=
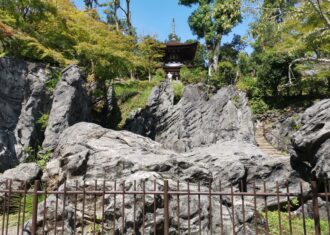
[{"x": 186, "y": 51}]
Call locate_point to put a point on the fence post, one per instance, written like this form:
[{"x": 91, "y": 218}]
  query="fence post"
[
  {"x": 166, "y": 210},
  {"x": 35, "y": 208},
  {"x": 316, "y": 214}
]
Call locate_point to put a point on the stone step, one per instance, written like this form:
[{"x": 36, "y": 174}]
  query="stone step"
[{"x": 265, "y": 146}]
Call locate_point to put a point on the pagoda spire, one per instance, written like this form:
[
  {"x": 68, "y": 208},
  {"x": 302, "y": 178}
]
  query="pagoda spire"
[
  {"x": 173, "y": 27},
  {"x": 173, "y": 36}
]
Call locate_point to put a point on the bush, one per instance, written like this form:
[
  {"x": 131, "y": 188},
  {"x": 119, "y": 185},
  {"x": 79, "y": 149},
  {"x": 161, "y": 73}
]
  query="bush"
[
  {"x": 249, "y": 85},
  {"x": 193, "y": 75},
  {"x": 178, "y": 89},
  {"x": 258, "y": 106}
]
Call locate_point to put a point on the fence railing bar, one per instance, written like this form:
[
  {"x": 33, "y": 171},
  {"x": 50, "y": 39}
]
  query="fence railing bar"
[
  {"x": 24, "y": 207},
  {"x": 45, "y": 212},
  {"x": 166, "y": 208},
  {"x": 243, "y": 208},
  {"x": 278, "y": 209},
  {"x": 83, "y": 208},
  {"x": 255, "y": 208},
  {"x": 303, "y": 208},
  {"x": 4, "y": 210},
  {"x": 188, "y": 200},
  {"x": 144, "y": 206},
  {"x": 232, "y": 207},
  {"x": 316, "y": 214},
  {"x": 103, "y": 203},
  {"x": 8, "y": 206},
  {"x": 210, "y": 206},
  {"x": 221, "y": 213},
  {"x": 199, "y": 209},
  {"x": 326, "y": 187},
  {"x": 266, "y": 208},
  {"x": 19, "y": 210},
  {"x": 75, "y": 211},
  {"x": 63, "y": 209},
  {"x": 35, "y": 209},
  {"x": 114, "y": 208},
  {"x": 178, "y": 206},
  {"x": 155, "y": 208},
  {"x": 123, "y": 209},
  {"x": 289, "y": 207},
  {"x": 56, "y": 208},
  {"x": 172, "y": 193},
  {"x": 94, "y": 215},
  {"x": 134, "y": 209}
]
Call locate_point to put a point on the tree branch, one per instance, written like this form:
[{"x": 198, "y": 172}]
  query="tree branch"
[
  {"x": 304, "y": 59},
  {"x": 317, "y": 7}
]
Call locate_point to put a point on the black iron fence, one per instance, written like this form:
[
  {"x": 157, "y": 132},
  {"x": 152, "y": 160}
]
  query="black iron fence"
[{"x": 163, "y": 207}]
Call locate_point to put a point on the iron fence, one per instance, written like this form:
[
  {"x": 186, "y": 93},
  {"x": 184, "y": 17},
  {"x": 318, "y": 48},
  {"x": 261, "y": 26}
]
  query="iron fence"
[{"x": 163, "y": 207}]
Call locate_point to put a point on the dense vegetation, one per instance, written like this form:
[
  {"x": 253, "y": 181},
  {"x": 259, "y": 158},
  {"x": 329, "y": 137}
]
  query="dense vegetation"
[{"x": 291, "y": 43}]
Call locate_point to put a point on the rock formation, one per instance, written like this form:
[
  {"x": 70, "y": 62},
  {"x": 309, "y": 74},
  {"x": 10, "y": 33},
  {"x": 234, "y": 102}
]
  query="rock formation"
[
  {"x": 87, "y": 152},
  {"x": 23, "y": 99},
  {"x": 311, "y": 144},
  {"x": 70, "y": 105},
  {"x": 200, "y": 118}
]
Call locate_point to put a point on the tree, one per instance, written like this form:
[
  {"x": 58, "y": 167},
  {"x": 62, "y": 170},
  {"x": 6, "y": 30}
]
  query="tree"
[
  {"x": 211, "y": 21},
  {"x": 303, "y": 31},
  {"x": 112, "y": 16},
  {"x": 152, "y": 51},
  {"x": 89, "y": 3}
]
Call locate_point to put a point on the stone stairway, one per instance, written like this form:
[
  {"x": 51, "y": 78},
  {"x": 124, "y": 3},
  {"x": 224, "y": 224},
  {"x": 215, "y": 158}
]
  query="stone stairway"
[{"x": 265, "y": 146}]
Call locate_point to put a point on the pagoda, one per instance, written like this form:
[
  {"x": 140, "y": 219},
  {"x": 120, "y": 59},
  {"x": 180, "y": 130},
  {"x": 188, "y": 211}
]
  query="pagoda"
[{"x": 177, "y": 55}]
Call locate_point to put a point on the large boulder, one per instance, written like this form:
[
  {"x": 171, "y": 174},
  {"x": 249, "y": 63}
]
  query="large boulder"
[
  {"x": 311, "y": 144},
  {"x": 71, "y": 104},
  {"x": 23, "y": 99},
  {"x": 88, "y": 152},
  {"x": 200, "y": 118}
]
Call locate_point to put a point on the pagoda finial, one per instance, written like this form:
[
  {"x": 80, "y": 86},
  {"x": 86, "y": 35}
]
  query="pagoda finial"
[{"x": 173, "y": 27}]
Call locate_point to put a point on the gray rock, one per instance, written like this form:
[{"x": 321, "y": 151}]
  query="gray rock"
[
  {"x": 198, "y": 119},
  {"x": 70, "y": 105},
  {"x": 87, "y": 152},
  {"x": 311, "y": 143},
  {"x": 308, "y": 209},
  {"x": 23, "y": 99},
  {"x": 24, "y": 172},
  {"x": 7, "y": 151},
  {"x": 280, "y": 127}
]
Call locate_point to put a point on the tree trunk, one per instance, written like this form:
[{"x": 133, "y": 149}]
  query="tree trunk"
[{"x": 216, "y": 53}]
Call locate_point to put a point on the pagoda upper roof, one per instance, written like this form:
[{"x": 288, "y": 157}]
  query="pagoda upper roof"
[{"x": 183, "y": 51}]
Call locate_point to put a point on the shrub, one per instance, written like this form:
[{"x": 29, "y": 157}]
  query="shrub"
[
  {"x": 258, "y": 106},
  {"x": 178, "y": 89},
  {"x": 193, "y": 75}
]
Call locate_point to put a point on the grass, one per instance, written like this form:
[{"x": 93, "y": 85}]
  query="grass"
[
  {"x": 15, "y": 216},
  {"x": 132, "y": 95},
  {"x": 296, "y": 222}
]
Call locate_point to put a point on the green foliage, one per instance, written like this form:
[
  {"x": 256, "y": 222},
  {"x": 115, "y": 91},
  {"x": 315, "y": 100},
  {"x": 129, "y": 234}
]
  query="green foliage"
[
  {"x": 132, "y": 95},
  {"x": 296, "y": 222},
  {"x": 193, "y": 75},
  {"x": 178, "y": 89},
  {"x": 211, "y": 20},
  {"x": 151, "y": 53},
  {"x": 53, "y": 80},
  {"x": 43, "y": 121},
  {"x": 56, "y": 32},
  {"x": 37, "y": 155},
  {"x": 258, "y": 106},
  {"x": 272, "y": 72},
  {"x": 249, "y": 85},
  {"x": 226, "y": 74}
]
